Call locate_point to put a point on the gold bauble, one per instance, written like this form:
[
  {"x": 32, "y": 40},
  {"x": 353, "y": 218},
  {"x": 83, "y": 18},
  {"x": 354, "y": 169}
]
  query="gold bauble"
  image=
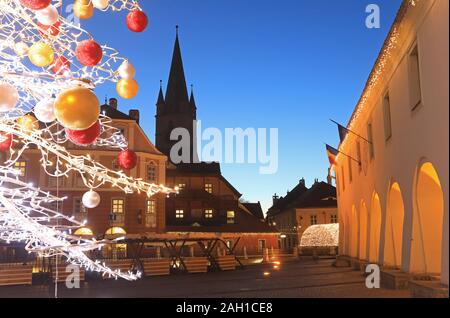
[
  {"x": 41, "y": 54},
  {"x": 127, "y": 88},
  {"x": 83, "y": 9},
  {"x": 28, "y": 123},
  {"x": 77, "y": 108}
]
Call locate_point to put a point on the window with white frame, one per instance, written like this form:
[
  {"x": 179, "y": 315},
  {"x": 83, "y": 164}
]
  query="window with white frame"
[
  {"x": 415, "y": 94},
  {"x": 151, "y": 172},
  {"x": 179, "y": 214},
  {"x": 118, "y": 206},
  {"x": 150, "y": 213},
  {"x": 208, "y": 214},
  {"x": 313, "y": 219}
]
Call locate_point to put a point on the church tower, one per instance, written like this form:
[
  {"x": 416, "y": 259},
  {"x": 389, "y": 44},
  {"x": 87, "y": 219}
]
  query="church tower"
[{"x": 176, "y": 109}]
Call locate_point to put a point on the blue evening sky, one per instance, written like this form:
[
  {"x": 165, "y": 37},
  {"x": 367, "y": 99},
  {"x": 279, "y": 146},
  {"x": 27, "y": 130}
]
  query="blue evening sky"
[{"x": 286, "y": 64}]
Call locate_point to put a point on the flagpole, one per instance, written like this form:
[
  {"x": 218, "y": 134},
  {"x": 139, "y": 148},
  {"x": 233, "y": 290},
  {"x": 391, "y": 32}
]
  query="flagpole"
[
  {"x": 357, "y": 161},
  {"x": 351, "y": 131}
]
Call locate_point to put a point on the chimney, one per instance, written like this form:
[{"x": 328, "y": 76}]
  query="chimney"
[
  {"x": 134, "y": 114},
  {"x": 302, "y": 181},
  {"x": 113, "y": 103},
  {"x": 329, "y": 177},
  {"x": 316, "y": 180}
]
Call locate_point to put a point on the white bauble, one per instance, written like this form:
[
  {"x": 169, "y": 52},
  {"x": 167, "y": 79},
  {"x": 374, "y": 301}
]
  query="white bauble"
[
  {"x": 91, "y": 199},
  {"x": 21, "y": 48},
  {"x": 100, "y": 4},
  {"x": 126, "y": 70},
  {"x": 44, "y": 110},
  {"x": 9, "y": 97},
  {"x": 47, "y": 16}
]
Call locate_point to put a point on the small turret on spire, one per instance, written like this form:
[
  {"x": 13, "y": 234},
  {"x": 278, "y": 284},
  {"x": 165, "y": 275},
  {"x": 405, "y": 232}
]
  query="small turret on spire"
[{"x": 160, "y": 95}]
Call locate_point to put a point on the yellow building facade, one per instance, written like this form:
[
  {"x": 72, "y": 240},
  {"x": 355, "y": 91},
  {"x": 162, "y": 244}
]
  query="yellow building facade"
[{"x": 393, "y": 205}]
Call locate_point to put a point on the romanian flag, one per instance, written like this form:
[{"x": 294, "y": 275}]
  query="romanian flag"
[{"x": 332, "y": 153}]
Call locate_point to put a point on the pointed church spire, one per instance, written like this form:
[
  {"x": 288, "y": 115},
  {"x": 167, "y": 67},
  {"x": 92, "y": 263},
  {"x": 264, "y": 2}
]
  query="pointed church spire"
[
  {"x": 161, "y": 95},
  {"x": 176, "y": 93}
]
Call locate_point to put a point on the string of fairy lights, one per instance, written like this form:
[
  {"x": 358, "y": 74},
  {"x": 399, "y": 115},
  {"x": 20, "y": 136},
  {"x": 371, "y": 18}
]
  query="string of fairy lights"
[
  {"x": 49, "y": 66},
  {"x": 379, "y": 69}
]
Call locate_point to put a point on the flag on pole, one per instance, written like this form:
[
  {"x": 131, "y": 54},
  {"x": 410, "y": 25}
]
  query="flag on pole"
[
  {"x": 331, "y": 153},
  {"x": 342, "y": 132}
]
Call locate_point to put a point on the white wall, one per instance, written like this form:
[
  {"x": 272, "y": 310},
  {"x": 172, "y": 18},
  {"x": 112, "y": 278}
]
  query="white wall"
[{"x": 417, "y": 136}]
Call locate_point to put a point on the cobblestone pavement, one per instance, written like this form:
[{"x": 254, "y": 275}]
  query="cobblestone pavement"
[{"x": 294, "y": 279}]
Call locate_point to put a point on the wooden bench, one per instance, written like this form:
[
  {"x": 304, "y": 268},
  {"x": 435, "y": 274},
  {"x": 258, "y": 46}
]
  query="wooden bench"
[
  {"x": 62, "y": 274},
  {"x": 196, "y": 264},
  {"x": 227, "y": 262},
  {"x": 156, "y": 266},
  {"x": 16, "y": 274}
]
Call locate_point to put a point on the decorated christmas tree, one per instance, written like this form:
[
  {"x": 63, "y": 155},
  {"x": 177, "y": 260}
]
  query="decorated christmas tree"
[{"x": 49, "y": 67}]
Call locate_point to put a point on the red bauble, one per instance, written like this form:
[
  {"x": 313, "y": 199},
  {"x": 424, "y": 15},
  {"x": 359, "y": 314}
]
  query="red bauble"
[
  {"x": 5, "y": 141},
  {"x": 89, "y": 52},
  {"x": 60, "y": 65},
  {"x": 127, "y": 159},
  {"x": 84, "y": 137},
  {"x": 137, "y": 21},
  {"x": 49, "y": 29},
  {"x": 35, "y": 4}
]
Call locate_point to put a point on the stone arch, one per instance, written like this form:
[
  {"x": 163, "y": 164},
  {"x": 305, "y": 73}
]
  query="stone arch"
[
  {"x": 354, "y": 229},
  {"x": 375, "y": 228},
  {"x": 395, "y": 213},
  {"x": 428, "y": 218},
  {"x": 363, "y": 226}
]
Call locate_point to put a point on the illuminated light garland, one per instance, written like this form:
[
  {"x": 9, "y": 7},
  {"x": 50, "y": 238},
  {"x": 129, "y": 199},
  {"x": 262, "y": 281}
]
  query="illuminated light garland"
[
  {"x": 321, "y": 235},
  {"x": 27, "y": 213},
  {"x": 389, "y": 46}
]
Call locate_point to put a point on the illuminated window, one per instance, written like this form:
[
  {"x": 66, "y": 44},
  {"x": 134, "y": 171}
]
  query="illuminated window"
[
  {"x": 209, "y": 187},
  {"x": 118, "y": 206},
  {"x": 370, "y": 138},
  {"x": 84, "y": 231},
  {"x": 78, "y": 206},
  {"x": 150, "y": 213},
  {"x": 313, "y": 219},
  {"x": 387, "y": 117},
  {"x": 208, "y": 214},
  {"x": 179, "y": 214},
  {"x": 182, "y": 186},
  {"x": 115, "y": 231},
  {"x": 230, "y": 217},
  {"x": 415, "y": 94},
  {"x": 334, "y": 218},
  {"x": 151, "y": 173},
  {"x": 21, "y": 165}
]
